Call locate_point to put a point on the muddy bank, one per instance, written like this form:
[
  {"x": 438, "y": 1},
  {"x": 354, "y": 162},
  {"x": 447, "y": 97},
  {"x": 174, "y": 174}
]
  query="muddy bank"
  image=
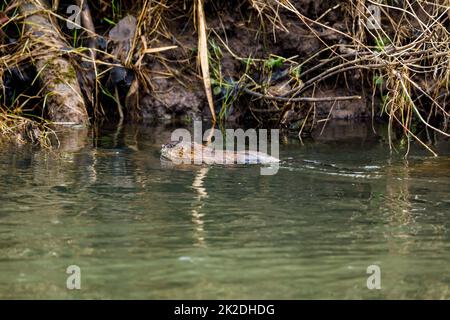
[
  {"x": 236, "y": 31},
  {"x": 292, "y": 65}
]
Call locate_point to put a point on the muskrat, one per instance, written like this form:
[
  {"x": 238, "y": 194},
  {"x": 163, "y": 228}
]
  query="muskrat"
[{"x": 186, "y": 152}]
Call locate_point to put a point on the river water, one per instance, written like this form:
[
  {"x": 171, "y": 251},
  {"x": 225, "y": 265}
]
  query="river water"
[{"x": 138, "y": 228}]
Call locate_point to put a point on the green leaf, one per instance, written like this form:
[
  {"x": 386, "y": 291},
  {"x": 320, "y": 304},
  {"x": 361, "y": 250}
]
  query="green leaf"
[
  {"x": 217, "y": 91},
  {"x": 274, "y": 62}
]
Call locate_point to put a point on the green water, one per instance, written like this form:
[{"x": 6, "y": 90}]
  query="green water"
[{"x": 140, "y": 229}]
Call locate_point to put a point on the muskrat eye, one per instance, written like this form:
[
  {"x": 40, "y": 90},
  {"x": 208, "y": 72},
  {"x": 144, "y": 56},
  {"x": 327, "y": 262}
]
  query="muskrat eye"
[{"x": 172, "y": 144}]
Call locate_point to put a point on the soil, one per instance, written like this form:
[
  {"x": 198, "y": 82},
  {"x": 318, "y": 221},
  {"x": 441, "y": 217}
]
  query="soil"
[{"x": 170, "y": 98}]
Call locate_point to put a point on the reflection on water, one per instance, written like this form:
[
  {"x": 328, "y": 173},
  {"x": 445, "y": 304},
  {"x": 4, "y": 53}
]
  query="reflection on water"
[
  {"x": 139, "y": 228},
  {"x": 202, "y": 195}
]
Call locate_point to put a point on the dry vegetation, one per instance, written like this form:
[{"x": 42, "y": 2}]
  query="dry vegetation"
[{"x": 401, "y": 68}]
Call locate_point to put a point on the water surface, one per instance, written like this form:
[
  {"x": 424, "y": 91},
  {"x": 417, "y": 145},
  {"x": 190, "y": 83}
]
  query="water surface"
[{"x": 138, "y": 228}]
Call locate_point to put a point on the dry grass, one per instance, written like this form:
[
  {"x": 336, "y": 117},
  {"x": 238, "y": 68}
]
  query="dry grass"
[{"x": 21, "y": 129}]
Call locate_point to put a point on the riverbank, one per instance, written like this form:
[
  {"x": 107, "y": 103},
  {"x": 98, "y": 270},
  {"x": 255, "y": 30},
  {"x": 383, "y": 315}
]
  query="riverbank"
[{"x": 292, "y": 65}]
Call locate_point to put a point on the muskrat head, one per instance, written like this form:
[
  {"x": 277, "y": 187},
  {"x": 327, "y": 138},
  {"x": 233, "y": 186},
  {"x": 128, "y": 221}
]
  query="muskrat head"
[
  {"x": 181, "y": 151},
  {"x": 177, "y": 150}
]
